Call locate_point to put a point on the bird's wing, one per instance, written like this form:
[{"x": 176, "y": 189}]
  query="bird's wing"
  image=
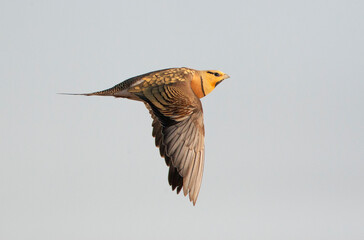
[{"x": 179, "y": 132}]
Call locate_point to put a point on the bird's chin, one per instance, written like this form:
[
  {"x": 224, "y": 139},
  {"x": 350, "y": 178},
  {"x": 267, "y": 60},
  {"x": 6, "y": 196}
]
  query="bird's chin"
[{"x": 217, "y": 83}]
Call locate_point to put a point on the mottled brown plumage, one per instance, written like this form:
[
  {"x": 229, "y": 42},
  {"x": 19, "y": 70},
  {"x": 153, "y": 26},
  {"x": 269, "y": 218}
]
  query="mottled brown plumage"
[{"x": 172, "y": 97}]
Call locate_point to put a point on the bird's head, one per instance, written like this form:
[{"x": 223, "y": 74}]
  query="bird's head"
[
  {"x": 214, "y": 77},
  {"x": 207, "y": 81}
]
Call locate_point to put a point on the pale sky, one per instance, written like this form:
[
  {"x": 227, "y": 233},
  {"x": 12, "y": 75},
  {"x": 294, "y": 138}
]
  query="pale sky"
[{"x": 284, "y": 135}]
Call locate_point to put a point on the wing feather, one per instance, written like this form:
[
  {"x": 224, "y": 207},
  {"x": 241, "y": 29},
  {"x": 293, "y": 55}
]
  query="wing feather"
[{"x": 179, "y": 133}]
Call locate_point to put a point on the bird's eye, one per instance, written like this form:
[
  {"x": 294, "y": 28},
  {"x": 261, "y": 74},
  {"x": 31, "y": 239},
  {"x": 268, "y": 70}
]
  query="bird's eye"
[{"x": 217, "y": 74}]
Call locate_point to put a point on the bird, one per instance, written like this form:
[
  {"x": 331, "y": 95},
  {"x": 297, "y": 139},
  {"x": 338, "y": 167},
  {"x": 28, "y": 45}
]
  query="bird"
[{"x": 172, "y": 97}]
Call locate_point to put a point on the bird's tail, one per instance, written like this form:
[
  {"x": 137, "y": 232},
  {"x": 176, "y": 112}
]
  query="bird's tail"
[
  {"x": 107, "y": 92},
  {"x": 100, "y": 93}
]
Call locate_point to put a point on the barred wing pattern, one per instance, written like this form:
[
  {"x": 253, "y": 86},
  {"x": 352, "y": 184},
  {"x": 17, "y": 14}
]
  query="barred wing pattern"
[{"x": 179, "y": 133}]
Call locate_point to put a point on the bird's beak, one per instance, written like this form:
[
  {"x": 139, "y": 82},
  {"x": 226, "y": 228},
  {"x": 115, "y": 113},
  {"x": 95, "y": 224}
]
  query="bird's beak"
[{"x": 226, "y": 76}]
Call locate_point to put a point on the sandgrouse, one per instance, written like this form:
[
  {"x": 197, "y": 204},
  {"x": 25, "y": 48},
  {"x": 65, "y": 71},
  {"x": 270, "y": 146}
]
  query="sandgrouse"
[{"x": 172, "y": 97}]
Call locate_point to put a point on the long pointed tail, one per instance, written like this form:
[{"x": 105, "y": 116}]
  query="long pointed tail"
[
  {"x": 108, "y": 92},
  {"x": 80, "y": 94},
  {"x": 101, "y": 93},
  {"x": 113, "y": 91}
]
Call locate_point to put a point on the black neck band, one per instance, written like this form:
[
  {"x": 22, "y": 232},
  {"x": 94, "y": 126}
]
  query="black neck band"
[{"x": 203, "y": 91}]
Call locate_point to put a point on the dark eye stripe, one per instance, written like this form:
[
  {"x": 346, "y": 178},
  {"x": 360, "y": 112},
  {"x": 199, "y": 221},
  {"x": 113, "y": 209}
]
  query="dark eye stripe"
[{"x": 215, "y": 74}]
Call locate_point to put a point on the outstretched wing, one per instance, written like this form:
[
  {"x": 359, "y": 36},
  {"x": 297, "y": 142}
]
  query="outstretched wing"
[{"x": 179, "y": 133}]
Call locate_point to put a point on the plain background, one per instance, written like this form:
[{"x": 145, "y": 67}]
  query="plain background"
[{"x": 284, "y": 135}]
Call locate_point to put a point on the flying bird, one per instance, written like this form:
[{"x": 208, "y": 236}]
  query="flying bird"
[{"x": 172, "y": 97}]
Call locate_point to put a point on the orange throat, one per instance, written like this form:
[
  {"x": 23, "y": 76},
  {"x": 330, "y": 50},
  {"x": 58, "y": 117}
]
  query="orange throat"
[{"x": 198, "y": 87}]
